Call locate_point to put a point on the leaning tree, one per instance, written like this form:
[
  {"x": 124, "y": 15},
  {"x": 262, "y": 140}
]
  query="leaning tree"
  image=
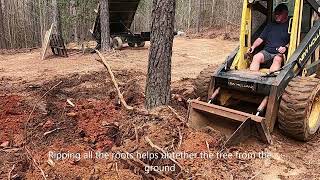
[{"x": 159, "y": 67}]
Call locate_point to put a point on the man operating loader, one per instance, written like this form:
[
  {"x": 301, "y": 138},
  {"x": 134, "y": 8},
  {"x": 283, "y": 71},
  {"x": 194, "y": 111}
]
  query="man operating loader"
[{"x": 276, "y": 38}]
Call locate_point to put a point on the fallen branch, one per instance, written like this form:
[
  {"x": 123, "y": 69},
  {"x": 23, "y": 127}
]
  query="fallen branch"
[
  {"x": 142, "y": 112},
  {"x": 180, "y": 138},
  {"x": 141, "y": 171},
  {"x": 162, "y": 151},
  {"x": 36, "y": 164},
  {"x": 117, "y": 171},
  {"x": 159, "y": 173},
  {"x": 9, "y": 174},
  {"x": 12, "y": 150},
  {"x": 49, "y": 132},
  {"x": 177, "y": 115},
  {"x": 70, "y": 103},
  {"x": 208, "y": 146},
  {"x": 123, "y": 102},
  {"x": 253, "y": 177},
  {"x": 136, "y": 133}
]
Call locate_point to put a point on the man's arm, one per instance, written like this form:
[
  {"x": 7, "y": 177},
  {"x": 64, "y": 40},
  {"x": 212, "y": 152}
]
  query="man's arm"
[
  {"x": 263, "y": 36},
  {"x": 256, "y": 43}
]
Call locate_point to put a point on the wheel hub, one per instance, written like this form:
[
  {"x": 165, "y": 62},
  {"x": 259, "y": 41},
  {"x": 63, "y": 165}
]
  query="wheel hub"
[{"x": 315, "y": 115}]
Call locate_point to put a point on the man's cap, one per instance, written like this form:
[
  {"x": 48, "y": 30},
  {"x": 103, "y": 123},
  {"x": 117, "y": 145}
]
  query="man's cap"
[{"x": 280, "y": 8}]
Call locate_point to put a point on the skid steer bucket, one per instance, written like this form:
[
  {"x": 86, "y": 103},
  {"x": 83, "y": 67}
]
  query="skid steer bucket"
[{"x": 236, "y": 125}]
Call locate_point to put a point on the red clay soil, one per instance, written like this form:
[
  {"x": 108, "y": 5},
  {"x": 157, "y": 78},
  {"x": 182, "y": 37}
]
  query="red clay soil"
[
  {"x": 92, "y": 115},
  {"x": 13, "y": 115},
  {"x": 97, "y": 123},
  {"x": 55, "y": 126}
]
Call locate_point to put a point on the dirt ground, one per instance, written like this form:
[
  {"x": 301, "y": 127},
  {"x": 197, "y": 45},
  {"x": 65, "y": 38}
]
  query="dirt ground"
[
  {"x": 190, "y": 56},
  {"x": 69, "y": 106}
]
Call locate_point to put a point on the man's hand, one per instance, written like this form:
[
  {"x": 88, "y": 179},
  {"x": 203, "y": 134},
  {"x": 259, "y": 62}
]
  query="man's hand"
[
  {"x": 282, "y": 49},
  {"x": 251, "y": 50}
]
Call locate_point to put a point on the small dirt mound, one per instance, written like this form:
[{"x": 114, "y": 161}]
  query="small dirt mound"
[
  {"x": 184, "y": 87},
  {"x": 133, "y": 93}
]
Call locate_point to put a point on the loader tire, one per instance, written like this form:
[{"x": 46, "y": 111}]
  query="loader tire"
[
  {"x": 201, "y": 83},
  {"x": 131, "y": 44},
  {"x": 299, "y": 111},
  {"x": 141, "y": 44},
  {"x": 117, "y": 43}
]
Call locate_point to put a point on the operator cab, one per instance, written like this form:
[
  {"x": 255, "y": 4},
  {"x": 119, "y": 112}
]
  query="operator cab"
[
  {"x": 236, "y": 75},
  {"x": 256, "y": 15}
]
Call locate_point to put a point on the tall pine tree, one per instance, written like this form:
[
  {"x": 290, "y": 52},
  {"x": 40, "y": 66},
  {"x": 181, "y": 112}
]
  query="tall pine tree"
[
  {"x": 159, "y": 67},
  {"x": 105, "y": 28}
]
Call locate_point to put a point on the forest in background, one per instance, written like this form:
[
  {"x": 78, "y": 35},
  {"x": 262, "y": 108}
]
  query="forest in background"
[{"x": 24, "y": 22}]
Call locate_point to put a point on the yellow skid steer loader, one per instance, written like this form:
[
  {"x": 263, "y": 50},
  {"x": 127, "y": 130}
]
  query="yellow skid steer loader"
[{"x": 243, "y": 103}]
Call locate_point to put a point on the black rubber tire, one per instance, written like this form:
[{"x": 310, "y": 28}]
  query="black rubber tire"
[
  {"x": 117, "y": 43},
  {"x": 131, "y": 44},
  {"x": 141, "y": 44},
  {"x": 202, "y": 82},
  {"x": 296, "y": 105}
]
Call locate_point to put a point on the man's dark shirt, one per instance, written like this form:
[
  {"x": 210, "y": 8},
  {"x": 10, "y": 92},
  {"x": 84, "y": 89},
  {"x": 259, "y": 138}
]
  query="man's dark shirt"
[{"x": 275, "y": 35}]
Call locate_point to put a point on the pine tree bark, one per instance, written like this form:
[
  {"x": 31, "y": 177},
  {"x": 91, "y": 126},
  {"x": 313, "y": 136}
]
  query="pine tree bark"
[
  {"x": 159, "y": 66},
  {"x": 213, "y": 4},
  {"x": 105, "y": 27},
  {"x": 2, "y": 39},
  {"x": 199, "y": 16},
  {"x": 56, "y": 18},
  {"x": 189, "y": 15},
  {"x": 45, "y": 17},
  {"x": 25, "y": 23},
  {"x": 8, "y": 19},
  {"x": 73, "y": 13},
  {"x": 40, "y": 21}
]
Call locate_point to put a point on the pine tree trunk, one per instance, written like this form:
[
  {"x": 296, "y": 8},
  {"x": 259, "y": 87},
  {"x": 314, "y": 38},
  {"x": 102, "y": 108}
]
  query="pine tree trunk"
[
  {"x": 40, "y": 21},
  {"x": 25, "y": 24},
  {"x": 56, "y": 18},
  {"x": 45, "y": 17},
  {"x": 14, "y": 23},
  {"x": 9, "y": 19},
  {"x": 73, "y": 13},
  {"x": 159, "y": 66},
  {"x": 199, "y": 17},
  {"x": 105, "y": 28},
  {"x": 2, "y": 39},
  {"x": 189, "y": 15},
  {"x": 212, "y": 12}
]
